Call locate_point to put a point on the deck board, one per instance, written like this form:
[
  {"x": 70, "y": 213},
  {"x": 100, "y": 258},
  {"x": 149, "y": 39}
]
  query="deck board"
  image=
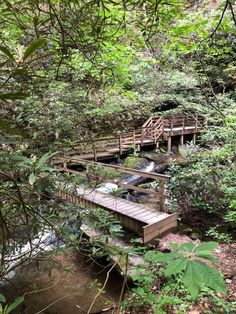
[{"x": 135, "y": 211}]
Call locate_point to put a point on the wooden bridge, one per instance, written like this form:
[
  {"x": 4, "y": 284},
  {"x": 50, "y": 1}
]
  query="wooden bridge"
[
  {"x": 153, "y": 131},
  {"x": 143, "y": 220}
]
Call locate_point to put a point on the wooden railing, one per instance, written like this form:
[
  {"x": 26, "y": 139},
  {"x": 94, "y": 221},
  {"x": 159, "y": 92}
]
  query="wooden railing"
[
  {"x": 150, "y": 133},
  {"x": 153, "y": 128},
  {"x": 159, "y": 193},
  {"x": 186, "y": 121}
]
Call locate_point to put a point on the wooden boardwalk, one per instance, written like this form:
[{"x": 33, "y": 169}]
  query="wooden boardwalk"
[
  {"x": 152, "y": 132},
  {"x": 147, "y": 222}
]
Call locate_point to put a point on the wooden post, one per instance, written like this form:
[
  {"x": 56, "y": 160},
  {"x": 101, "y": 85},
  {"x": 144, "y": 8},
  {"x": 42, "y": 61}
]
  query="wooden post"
[
  {"x": 181, "y": 139},
  {"x": 194, "y": 138},
  {"x": 134, "y": 140},
  {"x": 171, "y": 125},
  {"x": 120, "y": 144},
  {"x": 142, "y": 136},
  {"x": 64, "y": 165},
  {"x": 162, "y": 195},
  {"x": 169, "y": 144}
]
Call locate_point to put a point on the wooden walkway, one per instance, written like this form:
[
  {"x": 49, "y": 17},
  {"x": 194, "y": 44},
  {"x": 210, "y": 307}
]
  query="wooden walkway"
[
  {"x": 153, "y": 131},
  {"x": 147, "y": 222}
]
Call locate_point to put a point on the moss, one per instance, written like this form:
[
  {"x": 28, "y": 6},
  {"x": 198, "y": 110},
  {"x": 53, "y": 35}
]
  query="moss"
[{"x": 134, "y": 162}]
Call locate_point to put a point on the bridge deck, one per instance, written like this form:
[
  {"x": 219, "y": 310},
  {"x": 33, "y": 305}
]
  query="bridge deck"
[{"x": 143, "y": 220}]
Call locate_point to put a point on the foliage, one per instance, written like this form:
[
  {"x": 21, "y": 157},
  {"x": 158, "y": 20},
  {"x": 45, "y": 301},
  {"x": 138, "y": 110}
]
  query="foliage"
[
  {"x": 208, "y": 184},
  {"x": 186, "y": 262},
  {"x": 187, "y": 278},
  {"x": 9, "y": 308}
]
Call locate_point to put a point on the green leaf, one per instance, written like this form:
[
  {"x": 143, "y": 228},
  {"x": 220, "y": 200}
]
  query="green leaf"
[
  {"x": 14, "y": 304},
  {"x": 20, "y": 158},
  {"x": 206, "y": 247},
  {"x": 199, "y": 274},
  {"x": 212, "y": 277},
  {"x": 44, "y": 159},
  {"x": 186, "y": 247},
  {"x": 7, "y": 52},
  {"x": 32, "y": 178},
  {"x": 33, "y": 47},
  {"x": 160, "y": 257},
  {"x": 176, "y": 266},
  {"x": 208, "y": 256},
  {"x": 2, "y": 298},
  {"x": 193, "y": 279}
]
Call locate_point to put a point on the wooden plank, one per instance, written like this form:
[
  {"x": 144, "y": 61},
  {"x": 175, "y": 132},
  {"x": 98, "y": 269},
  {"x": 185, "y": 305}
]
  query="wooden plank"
[
  {"x": 151, "y": 175},
  {"x": 152, "y": 230},
  {"x": 146, "y": 217}
]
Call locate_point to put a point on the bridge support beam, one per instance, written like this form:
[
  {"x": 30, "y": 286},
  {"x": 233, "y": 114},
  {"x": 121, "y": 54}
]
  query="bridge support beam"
[
  {"x": 194, "y": 138},
  {"x": 181, "y": 139},
  {"x": 169, "y": 144}
]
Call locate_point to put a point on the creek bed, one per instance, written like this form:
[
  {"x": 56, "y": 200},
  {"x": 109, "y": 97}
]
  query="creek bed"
[{"x": 67, "y": 287}]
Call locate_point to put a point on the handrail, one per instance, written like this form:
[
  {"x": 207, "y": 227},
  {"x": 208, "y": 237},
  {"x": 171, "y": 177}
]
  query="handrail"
[{"x": 147, "y": 122}]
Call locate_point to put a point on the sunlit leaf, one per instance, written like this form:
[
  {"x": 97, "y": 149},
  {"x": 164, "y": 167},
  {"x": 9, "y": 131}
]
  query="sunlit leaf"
[{"x": 33, "y": 47}]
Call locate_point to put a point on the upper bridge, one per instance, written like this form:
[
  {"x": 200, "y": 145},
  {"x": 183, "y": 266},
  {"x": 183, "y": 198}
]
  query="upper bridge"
[{"x": 154, "y": 131}]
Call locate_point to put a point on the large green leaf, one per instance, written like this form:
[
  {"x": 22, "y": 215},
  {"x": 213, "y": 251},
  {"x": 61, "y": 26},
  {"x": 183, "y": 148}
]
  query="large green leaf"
[
  {"x": 206, "y": 247},
  {"x": 159, "y": 257},
  {"x": 199, "y": 274},
  {"x": 33, "y": 47},
  {"x": 175, "y": 267},
  {"x": 186, "y": 247},
  {"x": 212, "y": 277},
  {"x": 193, "y": 279},
  {"x": 7, "y": 52},
  {"x": 208, "y": 256}
]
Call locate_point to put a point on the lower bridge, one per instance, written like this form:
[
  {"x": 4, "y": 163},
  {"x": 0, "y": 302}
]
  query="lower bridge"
[{"x": 145, "y": 221}]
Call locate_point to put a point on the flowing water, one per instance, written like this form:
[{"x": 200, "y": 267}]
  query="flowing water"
[{"x": 70, "y": 283}]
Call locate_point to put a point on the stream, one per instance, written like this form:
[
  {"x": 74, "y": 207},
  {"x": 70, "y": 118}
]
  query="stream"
[{"x": 69, "y": 284}]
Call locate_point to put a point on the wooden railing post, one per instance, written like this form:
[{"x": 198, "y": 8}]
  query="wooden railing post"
[
  {"x": 120, "y": 144},
  {"x": 64, "y": 165},
  {"x": 162, "y": 195},
  {"x": 142, "y": 136},
  {"x": 134, "y": 139}
]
